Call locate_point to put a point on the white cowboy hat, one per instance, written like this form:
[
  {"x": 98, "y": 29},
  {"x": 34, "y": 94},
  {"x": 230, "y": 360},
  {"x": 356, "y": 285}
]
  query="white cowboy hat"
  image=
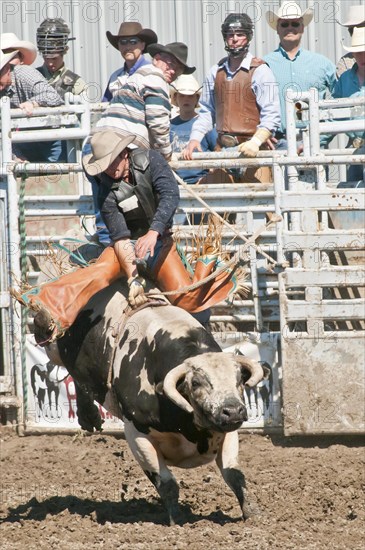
[
  {"x": 185, "y": 84},
  {"x": 289, "y": 10},
  {"x": 357, "y": 40},
  {"x": 106, "y": 146},
  {"x": 355, "y": 16},
  {"x": 9, "y": 41},
  {"x": 6, "y": 57}
]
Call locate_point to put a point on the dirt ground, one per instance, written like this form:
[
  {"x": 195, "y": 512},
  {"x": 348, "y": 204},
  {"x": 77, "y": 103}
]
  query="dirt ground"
[{"x": 85, "y": 492}]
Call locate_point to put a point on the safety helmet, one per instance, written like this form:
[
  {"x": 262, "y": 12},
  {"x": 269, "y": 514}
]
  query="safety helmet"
[
  {"x": 237, "y": 22},
  {"x": 53, "y": 36}
]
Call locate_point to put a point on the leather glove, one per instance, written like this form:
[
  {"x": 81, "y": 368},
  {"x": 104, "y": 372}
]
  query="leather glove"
[
  {"x": 136, "y": 296},
  {"x": 251, "y": 147}
]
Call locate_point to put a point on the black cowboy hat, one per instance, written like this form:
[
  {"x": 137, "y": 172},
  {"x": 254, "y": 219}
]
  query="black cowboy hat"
[
  {"x": 130, "y": 28},
  {"x": 178, "y": 49}
]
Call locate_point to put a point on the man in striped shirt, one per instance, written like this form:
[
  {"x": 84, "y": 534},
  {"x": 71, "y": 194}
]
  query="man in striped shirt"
[
  {"x": 294, "y": 67},
  {"x": 141, "y": 104}
]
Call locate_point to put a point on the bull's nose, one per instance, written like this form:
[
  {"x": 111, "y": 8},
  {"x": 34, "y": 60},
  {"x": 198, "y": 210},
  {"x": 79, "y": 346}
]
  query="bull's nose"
[{"x": 233, "y": 414}]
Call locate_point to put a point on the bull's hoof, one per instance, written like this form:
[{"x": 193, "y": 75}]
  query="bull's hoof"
[{"x": 89, "y": 418}]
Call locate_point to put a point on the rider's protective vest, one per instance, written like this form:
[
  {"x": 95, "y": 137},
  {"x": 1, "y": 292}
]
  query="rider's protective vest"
[
  {"x": 236, "y": 108},
  {"x": 137, "y": 199},
  {"x": 65, "y": 83}
]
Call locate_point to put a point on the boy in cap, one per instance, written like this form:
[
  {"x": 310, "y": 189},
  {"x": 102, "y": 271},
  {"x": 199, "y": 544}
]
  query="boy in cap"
[
  {"x": 185, "y": 96},
  {"x": 293, "y": 66}
]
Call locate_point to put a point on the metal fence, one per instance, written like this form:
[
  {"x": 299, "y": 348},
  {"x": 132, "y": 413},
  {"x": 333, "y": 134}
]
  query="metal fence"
[{"x": 306, "y": 271}]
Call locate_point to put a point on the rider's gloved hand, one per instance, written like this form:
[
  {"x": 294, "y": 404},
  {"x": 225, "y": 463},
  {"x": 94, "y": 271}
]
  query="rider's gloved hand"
[{"x": 136, "y": 296}]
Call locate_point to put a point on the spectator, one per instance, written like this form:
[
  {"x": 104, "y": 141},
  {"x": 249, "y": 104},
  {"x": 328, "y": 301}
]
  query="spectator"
[
  {"x": 27, "y": 52},
  {"x": 28, "y": 89},
  {"x": 294, "y": 67},
  {"x": 355, "y": 18},
  {"x": 238, "y": 98},
  {"x": 185, "y": 96},
  {"x": 52, "y": 42},
  {"x": 131, "y": 41},
  {"x": 351, "y": 84}
]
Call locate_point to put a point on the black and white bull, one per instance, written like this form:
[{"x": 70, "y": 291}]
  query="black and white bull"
[{"x": 180, "y": 396}]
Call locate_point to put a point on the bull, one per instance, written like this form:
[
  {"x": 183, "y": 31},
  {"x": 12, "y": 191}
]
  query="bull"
[{"x": 180, "y": 397}]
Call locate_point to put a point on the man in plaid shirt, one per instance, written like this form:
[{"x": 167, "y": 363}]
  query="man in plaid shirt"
[{"x": 28, "y": 89}]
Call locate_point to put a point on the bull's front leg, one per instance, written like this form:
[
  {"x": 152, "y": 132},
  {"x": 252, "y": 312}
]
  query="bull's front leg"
[
  {"x": 150, "y": 458},
  {"x": 227, "y": 462}
]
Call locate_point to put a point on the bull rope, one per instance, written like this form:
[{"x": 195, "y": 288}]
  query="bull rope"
[
  {"x": 274, "y": 219},
  {"x": 233, "y": 261}
]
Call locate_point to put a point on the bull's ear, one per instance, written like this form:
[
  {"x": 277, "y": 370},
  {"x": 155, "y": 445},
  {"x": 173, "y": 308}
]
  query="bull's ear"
[{"x": 252, "y": 371}]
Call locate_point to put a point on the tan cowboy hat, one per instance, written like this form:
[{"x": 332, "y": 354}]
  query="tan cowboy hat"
[
  {"x": 185, "y": 84},
  {"x": 129, "y": 29},
  {"x": 357, "y": 41},
  {"x": 9, "y": 41},
  {"x": 289, "y": 10},
  {"x": 355, "y": 16},
  {"x": 106, "y": 146},
  {"x": 6, "y": 57},
  {"x": 178, "y": 49}
]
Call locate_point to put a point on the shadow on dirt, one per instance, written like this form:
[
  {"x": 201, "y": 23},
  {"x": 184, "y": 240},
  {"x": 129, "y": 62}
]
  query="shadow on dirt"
[
  {"x": 131, "y": 511},
  {"x": 322, "y": 441}
]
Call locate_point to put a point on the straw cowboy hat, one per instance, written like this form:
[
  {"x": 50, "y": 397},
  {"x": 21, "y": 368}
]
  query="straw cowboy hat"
[
  {"x": 289, "y": 10},
  {"x": 9, "y": 41},
  {"x": 105, "y": 147},
  {"x": 129, "y": 29},
  {"x": 178, "y": 49},
  {"x": 355, "y": 16},
  {"x": 357, "y": 41},
  {"x": 6, "y": 57},
  {"x": 185, "y": 84}
]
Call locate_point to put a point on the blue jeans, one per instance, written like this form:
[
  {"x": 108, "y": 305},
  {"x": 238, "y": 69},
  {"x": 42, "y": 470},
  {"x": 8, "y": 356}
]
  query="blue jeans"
[
  {"x": 101, "y": 230},
  {"x": 43, "y": 151}
]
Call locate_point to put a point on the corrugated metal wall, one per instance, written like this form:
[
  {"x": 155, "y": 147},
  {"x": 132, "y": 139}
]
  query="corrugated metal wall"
[{"x": 195, "y": 22}]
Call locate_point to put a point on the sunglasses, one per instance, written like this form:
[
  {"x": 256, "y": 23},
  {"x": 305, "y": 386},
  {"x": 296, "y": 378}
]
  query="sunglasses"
[
  {"x": 125, "y": 41},
  {"x": 294, "y": 24}
]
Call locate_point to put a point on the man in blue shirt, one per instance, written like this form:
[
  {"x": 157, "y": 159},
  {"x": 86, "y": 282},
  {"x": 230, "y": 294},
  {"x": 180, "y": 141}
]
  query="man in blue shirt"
[
  {"x": 131, "y": 41},
  {"x": 294, "y": 67}
]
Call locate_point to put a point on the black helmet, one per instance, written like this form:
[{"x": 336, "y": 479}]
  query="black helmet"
[
  {"x": 53, "y": 36},
  {"x": 237, "y": 22}
]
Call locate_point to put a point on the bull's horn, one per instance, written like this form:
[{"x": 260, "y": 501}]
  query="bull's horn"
[
  {"x": 169, "y": 387},
  {"x": 254, "y": 368}
]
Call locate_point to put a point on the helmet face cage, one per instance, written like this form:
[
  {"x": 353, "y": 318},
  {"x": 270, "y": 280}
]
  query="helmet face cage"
[
  {"x": 235, "y": 22},
  {"x": 53, "y": 36}
]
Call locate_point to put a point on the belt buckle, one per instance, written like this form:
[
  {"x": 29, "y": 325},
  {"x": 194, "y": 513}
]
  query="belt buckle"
[{"x": 227, "y": 140}]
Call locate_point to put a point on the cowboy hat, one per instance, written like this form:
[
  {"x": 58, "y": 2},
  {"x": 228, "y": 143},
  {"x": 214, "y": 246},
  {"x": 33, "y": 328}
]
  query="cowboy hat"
[
  {"x": 289, "y": 10},
  {"x": 184, "y": 84},
  {"x": 105, "y": 146},
  {"x": 6, "y": 57},
  {"x": 9, "y": 41},
  {"x": 179, "y": 50},
  {"x": 357, "y": 40},
  {"x": 130, "y": 28},
  {"x": 355, "y": 16}
]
